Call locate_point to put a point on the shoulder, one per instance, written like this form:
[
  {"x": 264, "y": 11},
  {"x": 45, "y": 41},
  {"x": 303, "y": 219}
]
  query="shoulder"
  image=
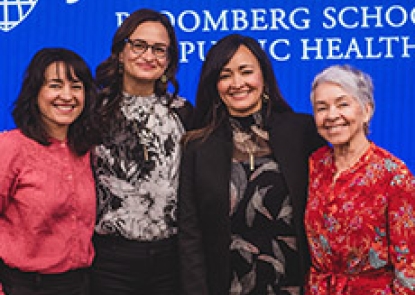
[
  {"x": 297, "y": 118},
  {"x": 184, "y": 109},
  {"x": 392, "y": 169},
  {"x": 296, "y": 127},
  {"x": 388, "y": 161},
  {"x": 215, "y": 142},
  {"x": 179, "y": 102},
  {"x": 12, "y": 139},
  {"x": 291, "y": 122},
  {"x": 321, "y": 154},
  {"x": 14, "y": 145}
]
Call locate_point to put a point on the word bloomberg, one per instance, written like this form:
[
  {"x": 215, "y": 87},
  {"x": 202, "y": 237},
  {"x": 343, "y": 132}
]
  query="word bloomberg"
[{"x": 301, "y": 19}]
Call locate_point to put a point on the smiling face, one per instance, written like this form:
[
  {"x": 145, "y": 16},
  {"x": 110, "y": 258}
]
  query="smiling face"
[
  {"x": 339, "y": 117},
  {"x": 60, "y": 100},
  {"x": 141, "y": 70},
  {"x": 241, "y": 83}
]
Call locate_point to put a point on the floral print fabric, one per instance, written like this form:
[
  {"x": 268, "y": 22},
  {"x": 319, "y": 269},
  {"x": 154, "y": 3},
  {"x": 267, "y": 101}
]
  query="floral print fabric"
[
  {"x": 136, "y": 170},
  {"x": 361, "y": 226}
]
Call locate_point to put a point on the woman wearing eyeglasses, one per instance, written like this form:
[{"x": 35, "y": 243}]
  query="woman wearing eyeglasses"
[{"x": 136, "y": 165}]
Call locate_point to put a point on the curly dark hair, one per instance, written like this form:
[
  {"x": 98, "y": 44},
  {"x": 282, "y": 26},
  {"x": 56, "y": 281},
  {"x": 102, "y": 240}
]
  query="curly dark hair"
[{"x": 26, "y": 114}]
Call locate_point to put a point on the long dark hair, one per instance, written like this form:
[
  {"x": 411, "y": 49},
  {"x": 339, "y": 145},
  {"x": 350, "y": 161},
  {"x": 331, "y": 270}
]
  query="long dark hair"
[
  {"x": 26, "y": 114},
  {"x": 209, "y": 110},
  {"x": 108, "y": 76}
]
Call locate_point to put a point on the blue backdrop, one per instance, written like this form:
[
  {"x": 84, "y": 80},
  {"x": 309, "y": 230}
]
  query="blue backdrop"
[{"x": 301, "y": 37}]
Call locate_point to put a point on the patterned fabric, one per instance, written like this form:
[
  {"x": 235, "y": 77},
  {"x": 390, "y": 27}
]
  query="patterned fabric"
[
  {"x": 361, "y": 226},
  {"x": 137, "y": 170},
  {"x": 263, "y": 238}
]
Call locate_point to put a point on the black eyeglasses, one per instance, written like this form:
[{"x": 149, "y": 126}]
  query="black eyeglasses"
[{"x": 139, "y": 46}]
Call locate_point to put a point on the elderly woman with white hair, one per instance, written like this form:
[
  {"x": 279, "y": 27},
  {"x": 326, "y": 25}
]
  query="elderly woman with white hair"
[{"x": 360, "y": 216}]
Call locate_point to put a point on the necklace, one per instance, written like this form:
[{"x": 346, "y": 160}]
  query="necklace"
[
  {"x": 243, "y": 142},
  {"x": 249, "y": 142}
]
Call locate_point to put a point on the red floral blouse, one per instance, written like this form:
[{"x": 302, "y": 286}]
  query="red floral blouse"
[{"x": 361, "y": 226}]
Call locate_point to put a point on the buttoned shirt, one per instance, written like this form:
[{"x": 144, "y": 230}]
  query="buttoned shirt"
[
  {"x": 47, "y": 205},
  {"x": 361, "y": 225}
]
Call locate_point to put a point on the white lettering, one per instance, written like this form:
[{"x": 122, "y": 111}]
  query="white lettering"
[
  {"x": 343, "y": 22},
  {"x": 121, "y": 16},
  {"x": 195, "y": 21},
  {"x": 278, "y": 16},
  {"x": 307, "y": 48},
  {"x": 240, "y": 22},
  {"x": 334, "y": 46},
  {"x": 169, "y": 15},
  {"x": 353, "y": 48},
  {"x": 304, "y": 21},
  {"x": 388, "y": 41},
  {"x": 369, "y": 53},
  {"x": 407, "y": 46},
  {"x": 258, "y": 20},
  {"x": 353, "y": 17},
  {"x": 272, "y": 50},
  {"x": 366, "y": 48},
  {"x": 403, "y": 16},
  {"x": 186, "y": 48},
  {"x": 215, "y": 25},
  {"x": 327, "y": 14},
  {"x": 377, "y": 16}
]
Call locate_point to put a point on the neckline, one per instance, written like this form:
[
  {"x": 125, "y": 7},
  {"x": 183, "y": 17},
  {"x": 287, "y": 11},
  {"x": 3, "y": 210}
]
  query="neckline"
[
  {"x": 245, "y": 123},
  {"x": 355, "y": 163},
  {"x": 128, "y": 95}
]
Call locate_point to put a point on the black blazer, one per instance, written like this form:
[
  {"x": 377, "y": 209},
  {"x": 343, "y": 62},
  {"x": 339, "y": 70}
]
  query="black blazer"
[{"x": 204, "y": 196}]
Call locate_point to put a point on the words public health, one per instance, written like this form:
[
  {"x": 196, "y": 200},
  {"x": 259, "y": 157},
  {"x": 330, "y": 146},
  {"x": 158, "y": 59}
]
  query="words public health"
[{"x": 332, "y": 33}]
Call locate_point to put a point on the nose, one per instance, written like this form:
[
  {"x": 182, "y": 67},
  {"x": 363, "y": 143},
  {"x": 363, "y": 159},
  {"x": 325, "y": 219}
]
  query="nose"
[
  {"x": 333, "y": 113},
  {"x": 237, "y": 81},
  {"x": 148, "y": 54},
  {"x": 66, "y": 93}
]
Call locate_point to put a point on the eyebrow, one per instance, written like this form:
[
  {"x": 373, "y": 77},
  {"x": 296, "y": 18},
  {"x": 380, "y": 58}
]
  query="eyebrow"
[
  {"x": 241, "y": 67},
  {"x": 60, "y": 80},
  {"x": 336, "y": 99},
  {"x": 144, "y": 41}
]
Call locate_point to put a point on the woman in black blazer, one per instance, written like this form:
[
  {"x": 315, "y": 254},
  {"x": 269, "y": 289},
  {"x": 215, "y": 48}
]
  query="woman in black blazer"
[{"x": 243, "y": 179}]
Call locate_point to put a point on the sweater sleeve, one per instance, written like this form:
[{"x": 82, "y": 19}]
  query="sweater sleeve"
[
  {"x": 401, "y": 217},
  {"x": 10, "y": 150}
]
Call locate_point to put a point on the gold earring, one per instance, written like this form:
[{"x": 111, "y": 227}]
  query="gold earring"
[
  {"x": 163, "y": 79},
  {"x": 265, "y": 96}
]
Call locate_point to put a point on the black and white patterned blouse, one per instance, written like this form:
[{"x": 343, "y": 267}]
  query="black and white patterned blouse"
[
  {"x": 136, "y": 170},
  {"x": 264, "y": 256}
]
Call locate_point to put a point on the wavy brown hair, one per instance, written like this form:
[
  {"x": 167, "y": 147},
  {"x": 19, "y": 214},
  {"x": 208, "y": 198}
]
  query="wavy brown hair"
[{"x": 108, "y": 76}]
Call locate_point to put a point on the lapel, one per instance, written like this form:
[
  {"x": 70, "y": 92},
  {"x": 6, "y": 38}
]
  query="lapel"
[
  {"x": 213, "y": 162},
  {"x": 286, "y": 141}
]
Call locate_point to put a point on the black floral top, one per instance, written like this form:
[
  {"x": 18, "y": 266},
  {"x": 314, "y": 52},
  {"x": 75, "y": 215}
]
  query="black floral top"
[
  {"x": 136, "y": 170},
  {"x": 264, "y": 257}
]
